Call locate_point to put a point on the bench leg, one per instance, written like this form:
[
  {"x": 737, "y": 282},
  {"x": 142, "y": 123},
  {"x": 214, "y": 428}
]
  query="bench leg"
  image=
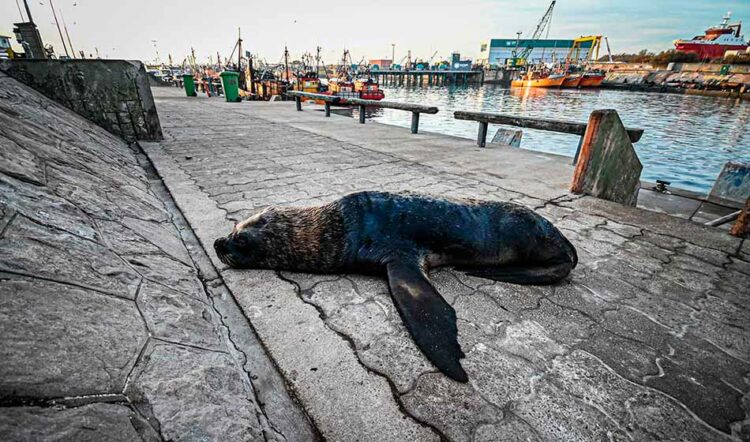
[
  {"x": 298, "y": 101},
  {"x": 328, "y": 109},
  {"x": 482, "y": 135},
  {"x": 362, "y": 114},
  {"x": 414, "y": 122}
]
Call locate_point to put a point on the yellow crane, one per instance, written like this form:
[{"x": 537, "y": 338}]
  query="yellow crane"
[{"x": 575, "y": 56}]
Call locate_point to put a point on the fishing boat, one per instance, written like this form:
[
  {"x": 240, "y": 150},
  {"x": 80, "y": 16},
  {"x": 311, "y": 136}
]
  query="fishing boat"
[
  {"x": 307, "y": 82},
  {"x": 539, "y": 79},
  {"x": 572, "y": 81},
  {"x": 715, "y": 41},
  {"x": 591, "y": 79},
  {"x": 345, "y": 85},
  {"x": 368, "y": 89}
]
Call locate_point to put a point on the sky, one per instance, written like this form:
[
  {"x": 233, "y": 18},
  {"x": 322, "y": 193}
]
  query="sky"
[{"x": 137, "y": 29}]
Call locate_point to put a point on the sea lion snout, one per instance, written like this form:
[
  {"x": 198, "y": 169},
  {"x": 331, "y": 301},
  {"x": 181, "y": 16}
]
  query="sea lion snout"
[{"x": 220, "y": 245}]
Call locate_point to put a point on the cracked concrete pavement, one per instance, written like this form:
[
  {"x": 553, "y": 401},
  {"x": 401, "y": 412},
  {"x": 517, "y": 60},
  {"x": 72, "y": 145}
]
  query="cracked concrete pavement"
[
  {"x": 647, "y": 340},
  {"x": 114, "y": 325}
]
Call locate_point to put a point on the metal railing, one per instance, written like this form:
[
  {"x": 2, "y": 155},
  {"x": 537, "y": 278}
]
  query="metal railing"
[{"x": 328, "y": 100}]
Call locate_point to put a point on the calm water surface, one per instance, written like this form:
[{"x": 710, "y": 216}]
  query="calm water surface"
[{"x": 687, "y": 139}]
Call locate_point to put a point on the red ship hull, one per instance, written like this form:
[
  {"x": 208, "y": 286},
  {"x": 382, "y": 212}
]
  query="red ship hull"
[{"x": 706, "y": 51}]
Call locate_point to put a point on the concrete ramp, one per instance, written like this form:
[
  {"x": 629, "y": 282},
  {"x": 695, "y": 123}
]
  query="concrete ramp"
[{"x": 112, "y": 325}]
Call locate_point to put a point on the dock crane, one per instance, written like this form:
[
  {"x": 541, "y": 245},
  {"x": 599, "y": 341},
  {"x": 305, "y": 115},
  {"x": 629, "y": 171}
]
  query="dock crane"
[
  {"x": 429, "y": 61},
  {"x": 578, "y": 53},
  {"x": 609, "y": 51},
  {"x": 519, "y": 58}
]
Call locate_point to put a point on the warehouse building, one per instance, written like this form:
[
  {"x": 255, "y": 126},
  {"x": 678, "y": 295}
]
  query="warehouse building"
[{"x": 496, "y": 52}]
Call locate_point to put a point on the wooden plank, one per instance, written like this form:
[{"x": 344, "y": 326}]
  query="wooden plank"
[
  {"x": 369, "y": 103},
  {"x": 322, "y": 97},
  {"x": 569, "y": 127}
]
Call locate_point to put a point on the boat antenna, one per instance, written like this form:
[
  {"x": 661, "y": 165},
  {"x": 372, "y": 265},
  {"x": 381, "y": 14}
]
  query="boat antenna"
[{"x": 54, "y": 14}]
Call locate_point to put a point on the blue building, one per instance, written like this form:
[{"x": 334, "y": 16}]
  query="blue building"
[{"x": 496, "y": 52}]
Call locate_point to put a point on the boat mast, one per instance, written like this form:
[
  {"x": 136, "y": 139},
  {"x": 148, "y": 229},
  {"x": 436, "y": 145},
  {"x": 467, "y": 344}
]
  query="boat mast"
[
  {"x": 54, "y": 14},
  {"x": 317, "y": 60},
  {"x": 65, "y": 27},
  {"x": 286, "y": 62}
]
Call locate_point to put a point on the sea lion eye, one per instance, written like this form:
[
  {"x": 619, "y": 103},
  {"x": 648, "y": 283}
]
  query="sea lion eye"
[{"x": 241, "y": 241}]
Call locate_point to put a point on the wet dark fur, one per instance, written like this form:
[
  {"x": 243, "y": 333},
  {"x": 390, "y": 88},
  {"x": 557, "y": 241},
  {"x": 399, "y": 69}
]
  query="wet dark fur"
[{"x": 403, "y": 235}]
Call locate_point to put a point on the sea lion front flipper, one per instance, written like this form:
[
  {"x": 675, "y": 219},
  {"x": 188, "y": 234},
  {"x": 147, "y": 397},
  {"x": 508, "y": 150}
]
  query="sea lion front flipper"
[
  {"x": 522, "y": 275},
  {"x": 430, "y": 320}
]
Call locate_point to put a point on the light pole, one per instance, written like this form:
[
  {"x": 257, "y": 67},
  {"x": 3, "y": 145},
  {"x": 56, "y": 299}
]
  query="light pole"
[{"x": 393, "y": 53}]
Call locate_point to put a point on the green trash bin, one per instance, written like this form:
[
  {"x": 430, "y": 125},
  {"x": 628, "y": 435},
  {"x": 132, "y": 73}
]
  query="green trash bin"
[
  {"x": 230, "y": 82},
  {"x": 189, "y": 82}
]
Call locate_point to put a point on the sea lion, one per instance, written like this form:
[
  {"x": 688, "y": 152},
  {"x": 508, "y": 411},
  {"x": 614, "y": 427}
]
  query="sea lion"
[{"x": 404, "y": 235}]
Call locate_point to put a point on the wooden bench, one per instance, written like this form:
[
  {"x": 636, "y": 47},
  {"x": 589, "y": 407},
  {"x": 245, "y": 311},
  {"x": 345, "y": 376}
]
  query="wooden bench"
[
  {"x": 328, "y": 100},
  {"x": 568, "y": 127}
]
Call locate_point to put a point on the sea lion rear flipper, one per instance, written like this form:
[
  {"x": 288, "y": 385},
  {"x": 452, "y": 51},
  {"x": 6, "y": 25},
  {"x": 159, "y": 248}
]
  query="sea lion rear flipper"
[
  {"x": 430, "y": 320},
  {"x": 522, "y": 275}
]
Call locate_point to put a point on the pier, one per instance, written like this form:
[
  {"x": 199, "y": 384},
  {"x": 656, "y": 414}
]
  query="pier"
[
  {"x": 427, "y": 77},
  {"x": 647, "y": 339}
]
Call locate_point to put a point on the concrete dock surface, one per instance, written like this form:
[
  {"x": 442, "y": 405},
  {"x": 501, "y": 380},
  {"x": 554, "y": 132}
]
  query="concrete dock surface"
[{"x": 119, "y": 322}]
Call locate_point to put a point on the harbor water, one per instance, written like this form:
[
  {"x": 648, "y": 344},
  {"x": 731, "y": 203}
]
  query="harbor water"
[{"x": 687, "y": 138}]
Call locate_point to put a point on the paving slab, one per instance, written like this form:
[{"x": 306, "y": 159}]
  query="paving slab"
[{"x": 646, "y": 340}]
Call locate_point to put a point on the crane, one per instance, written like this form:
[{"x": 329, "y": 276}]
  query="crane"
[
  {"x": 609, "y": 52},
  {"x": 429, "y": 61},
  {"x": 520, "y": 57}
]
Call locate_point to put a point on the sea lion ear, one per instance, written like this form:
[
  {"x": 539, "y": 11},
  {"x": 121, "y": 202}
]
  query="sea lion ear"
[{"x": 428, "y": 317}]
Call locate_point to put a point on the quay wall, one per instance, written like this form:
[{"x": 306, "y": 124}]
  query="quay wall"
[
  {"x": 114, "y": 94},
  {"x": 681, "y": 80}
]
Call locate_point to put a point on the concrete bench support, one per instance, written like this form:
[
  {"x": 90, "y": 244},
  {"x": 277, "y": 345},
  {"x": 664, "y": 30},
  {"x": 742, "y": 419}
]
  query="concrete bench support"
[
  {"x": 482, "y": 134},
  {"x": 608, "y": 166},
  {"x": 733, "y": 183},
  {"x": 508, "y": 137}
]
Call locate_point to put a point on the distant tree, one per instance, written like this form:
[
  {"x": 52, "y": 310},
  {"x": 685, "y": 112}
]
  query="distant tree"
[{"x": 661, "y": 59}]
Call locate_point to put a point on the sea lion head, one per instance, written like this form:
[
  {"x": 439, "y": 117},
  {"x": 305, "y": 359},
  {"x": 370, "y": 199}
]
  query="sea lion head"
[
  {"x": 549, "y": 243},
  {"x": 245, "y": 246}
]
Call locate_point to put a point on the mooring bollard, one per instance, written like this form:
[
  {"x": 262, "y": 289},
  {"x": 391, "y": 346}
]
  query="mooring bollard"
[
  {"x": 608, "y": 166},
  {"x": 298, "y": 102},
  {"x": 362, "y": 114},
  {"x": 414, "y": 122}
]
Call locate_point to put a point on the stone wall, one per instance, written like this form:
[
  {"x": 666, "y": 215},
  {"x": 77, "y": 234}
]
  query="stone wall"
[
  {"x": 112, "y": 325},
  {"x": 114, "y": 94}
]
